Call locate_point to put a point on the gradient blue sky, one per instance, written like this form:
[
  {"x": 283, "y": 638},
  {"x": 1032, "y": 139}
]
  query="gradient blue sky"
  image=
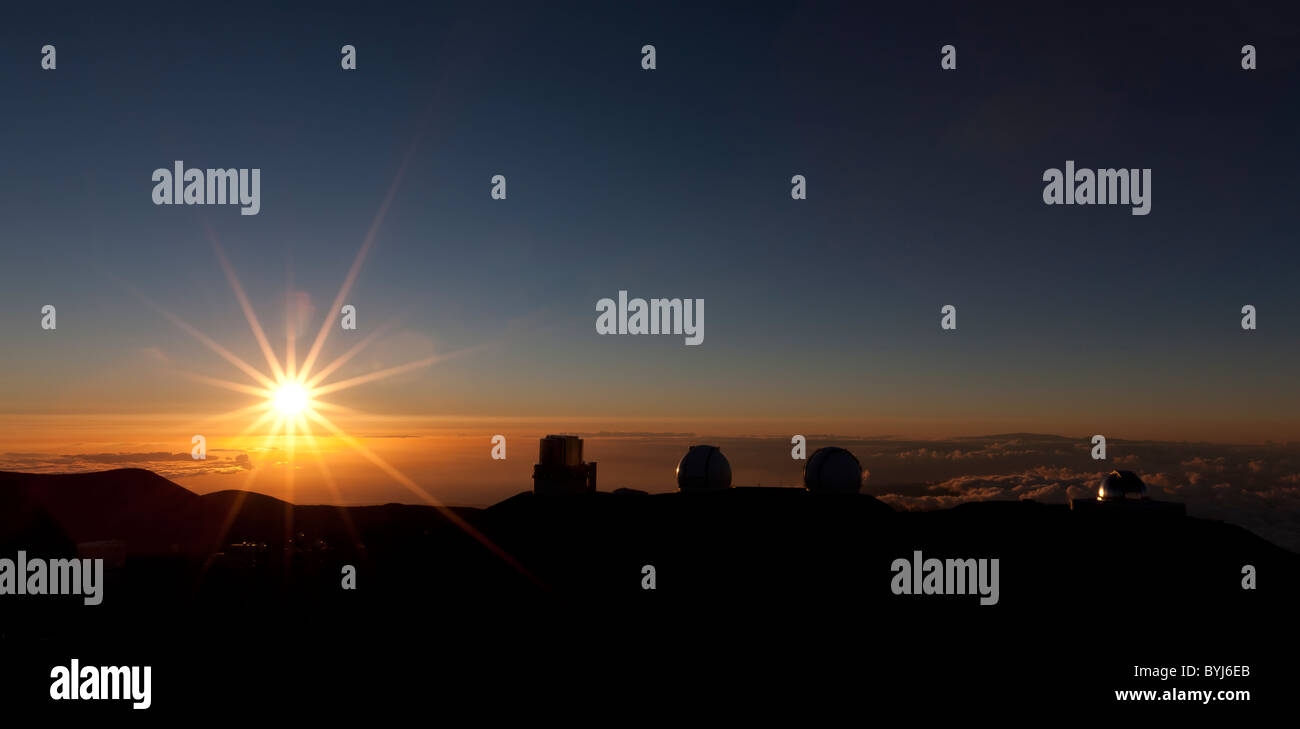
[{"x": 924, "y": 189}]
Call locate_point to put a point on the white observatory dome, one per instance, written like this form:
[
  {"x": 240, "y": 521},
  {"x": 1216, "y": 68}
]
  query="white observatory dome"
[
  {"x": 832, "y": 470},
  {"x": 703, "y": 468}
]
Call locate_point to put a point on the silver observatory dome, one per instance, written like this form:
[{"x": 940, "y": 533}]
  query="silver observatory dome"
[
  {"x": 703, "y": 468},
  {"x": 832, "y": 470},
  {"x": 1121, "y": 486}
]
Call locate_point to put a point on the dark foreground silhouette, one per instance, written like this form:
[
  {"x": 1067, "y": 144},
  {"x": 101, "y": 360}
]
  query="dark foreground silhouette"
[{"x": 763, "y": 598}]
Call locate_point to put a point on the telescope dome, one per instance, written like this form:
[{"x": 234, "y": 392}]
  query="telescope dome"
[
  {"x": 832, "y": 470},
  {"x": 703, "y": 468},
  {"x": 1120, "y": 486}
]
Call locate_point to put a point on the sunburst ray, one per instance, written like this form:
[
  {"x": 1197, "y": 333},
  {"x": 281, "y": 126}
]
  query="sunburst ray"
[
  {"x": 262, "y": 392},
  {"x": 209, "y": 342},
  {"x": 247, "y": 308},
  {"x": 311, "y": 380},
  {"x": 415, "y": 488},
  {"x": 357, "y": 262}
]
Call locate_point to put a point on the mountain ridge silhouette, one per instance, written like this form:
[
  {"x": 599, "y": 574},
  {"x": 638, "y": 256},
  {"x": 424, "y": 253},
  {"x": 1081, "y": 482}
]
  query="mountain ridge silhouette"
[
  {"x": 761, "y": 579},
  {"x": 154, "y": 514}
]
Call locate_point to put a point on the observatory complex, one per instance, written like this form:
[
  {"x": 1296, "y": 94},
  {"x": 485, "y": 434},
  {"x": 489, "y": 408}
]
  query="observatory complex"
[{"x": 560, "y": 470}]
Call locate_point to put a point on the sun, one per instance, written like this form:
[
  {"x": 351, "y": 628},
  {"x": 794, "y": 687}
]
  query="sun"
[
  {"x": 290, "y": 398},
  {"x": 293, "y": 395}
]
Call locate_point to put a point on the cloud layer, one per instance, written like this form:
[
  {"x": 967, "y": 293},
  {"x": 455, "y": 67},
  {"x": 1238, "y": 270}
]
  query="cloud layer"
[
  {"x": 1257, "y": 487},
  {"x": 168, "y": 465}
]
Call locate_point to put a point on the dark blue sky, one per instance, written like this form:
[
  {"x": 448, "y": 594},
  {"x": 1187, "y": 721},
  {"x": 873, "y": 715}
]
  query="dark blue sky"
[{"x": 924, "y": 189}]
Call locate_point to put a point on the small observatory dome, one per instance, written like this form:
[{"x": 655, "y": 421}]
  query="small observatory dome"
[
  {"x": 703, "y": 468},
  {"x": 1121, "y": 486},
  {"x": 832, "y": 471}
]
